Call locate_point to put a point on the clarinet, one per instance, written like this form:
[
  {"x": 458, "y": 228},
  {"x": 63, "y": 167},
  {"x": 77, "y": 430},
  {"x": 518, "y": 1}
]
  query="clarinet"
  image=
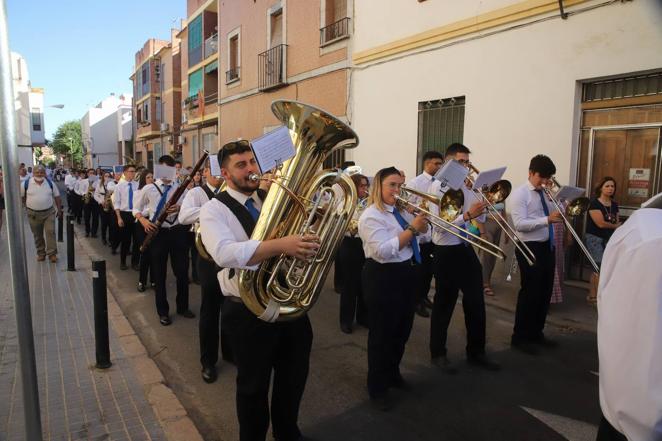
[{"x": 163, "y": 215}]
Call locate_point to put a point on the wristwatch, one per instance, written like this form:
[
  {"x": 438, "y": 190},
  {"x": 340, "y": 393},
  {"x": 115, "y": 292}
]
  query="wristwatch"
[{"x": 413, "y": 230}]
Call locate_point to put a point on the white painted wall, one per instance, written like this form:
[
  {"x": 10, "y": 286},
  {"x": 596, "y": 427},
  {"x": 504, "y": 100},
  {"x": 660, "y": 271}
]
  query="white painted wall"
[
  {"x": 521, "y": 86},
  {"x": 21, "y": 86},
  {"x": 102, "y": 130}
]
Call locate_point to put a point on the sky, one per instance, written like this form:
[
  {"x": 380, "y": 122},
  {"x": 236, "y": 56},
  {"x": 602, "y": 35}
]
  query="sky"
[{"x": 80, "y": 52}]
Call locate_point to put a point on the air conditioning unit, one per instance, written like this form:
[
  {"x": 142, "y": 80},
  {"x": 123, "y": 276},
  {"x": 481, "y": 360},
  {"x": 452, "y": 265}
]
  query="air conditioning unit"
[
  {"x": 181, "y": 139},
  {"x": 165, "y": 127}
]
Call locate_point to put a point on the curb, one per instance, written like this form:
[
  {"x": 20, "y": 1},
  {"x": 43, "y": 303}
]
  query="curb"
[{"x": 171, "y": 415}]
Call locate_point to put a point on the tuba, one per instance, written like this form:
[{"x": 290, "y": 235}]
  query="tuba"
[{"x": 284, "y": 288}]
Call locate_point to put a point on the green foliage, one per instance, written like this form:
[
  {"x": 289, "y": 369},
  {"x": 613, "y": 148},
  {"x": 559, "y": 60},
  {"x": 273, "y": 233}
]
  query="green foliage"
[{"x": 68, "y": 141}]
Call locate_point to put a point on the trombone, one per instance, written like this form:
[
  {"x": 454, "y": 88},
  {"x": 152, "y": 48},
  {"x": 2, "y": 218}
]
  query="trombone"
[
  {"x": 450, "y": 207},
  {"x": 575, "y": 207},
  {"x": 498, "y": 192}
]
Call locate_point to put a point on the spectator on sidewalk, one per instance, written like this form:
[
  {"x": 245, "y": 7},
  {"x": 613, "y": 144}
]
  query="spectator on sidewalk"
[{"x": 42, "y": 201}]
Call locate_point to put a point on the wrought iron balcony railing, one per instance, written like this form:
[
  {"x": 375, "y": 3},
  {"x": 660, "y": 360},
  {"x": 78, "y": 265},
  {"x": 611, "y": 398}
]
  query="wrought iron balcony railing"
[
  {"x": 334, "y": 31},
  {"x": 232, "y": 75},
  {"x": 271, "y": 68}
]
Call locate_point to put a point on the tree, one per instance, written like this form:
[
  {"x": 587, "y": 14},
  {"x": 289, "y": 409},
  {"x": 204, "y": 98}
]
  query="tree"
[{"x": 68, "y": 141}]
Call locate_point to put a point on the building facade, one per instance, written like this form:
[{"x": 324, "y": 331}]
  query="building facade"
[
  {"x": 281, "y": 49},
  {"x": 103, "y": 130},
  {"x": 510, "y": 79},
  {"x": 29, "y": 108},
  {"x": 200, "y": 80}
]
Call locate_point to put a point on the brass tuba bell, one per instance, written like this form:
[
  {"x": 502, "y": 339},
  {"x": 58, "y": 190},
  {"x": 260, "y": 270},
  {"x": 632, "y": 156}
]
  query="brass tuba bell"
[{"x": 284, "y": 288}]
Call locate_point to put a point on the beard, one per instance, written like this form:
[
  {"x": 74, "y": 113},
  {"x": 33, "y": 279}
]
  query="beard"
[
  {"x": 245, "y": 185},
  {"x": 39, "y": 180}
]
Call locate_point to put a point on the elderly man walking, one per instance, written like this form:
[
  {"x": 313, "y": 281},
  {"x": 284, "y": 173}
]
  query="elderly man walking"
[{"x": 42, "y": 201}]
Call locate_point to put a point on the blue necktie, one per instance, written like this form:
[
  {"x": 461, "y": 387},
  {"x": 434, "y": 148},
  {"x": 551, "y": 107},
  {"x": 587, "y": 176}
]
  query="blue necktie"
[
  {"x": 162, "y": 202},
  {"x": 545, "y": 210},
  {"x": 130, "y": 196},
  {"x": 251, "y": 209},
  {"x": 414, "y": 243}
]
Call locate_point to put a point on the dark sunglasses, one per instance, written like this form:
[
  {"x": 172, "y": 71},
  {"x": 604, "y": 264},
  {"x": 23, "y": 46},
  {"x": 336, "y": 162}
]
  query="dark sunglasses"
[{"x": 232, "y": 147}]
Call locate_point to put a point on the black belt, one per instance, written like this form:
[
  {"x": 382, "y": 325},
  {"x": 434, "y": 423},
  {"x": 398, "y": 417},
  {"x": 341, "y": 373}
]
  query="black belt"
[
  {"x": 40, "y": 211},
  {"x": 408, "y": 262},
  {"x": 234, "y": 299}
]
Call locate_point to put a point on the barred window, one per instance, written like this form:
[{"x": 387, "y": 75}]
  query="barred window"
[
  {"x": 440, "y": 123},
  {"x": 627, "y": 87}
]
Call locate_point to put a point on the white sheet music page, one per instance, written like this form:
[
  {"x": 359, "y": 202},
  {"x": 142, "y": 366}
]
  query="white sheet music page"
[
  {"x": 452, "y": 174},
  {"x": 214, "y": 166},
  {"x": 569, "y": 193},
  {"x": 489, "y": 177},
  {"x": 273, "y": 148}
]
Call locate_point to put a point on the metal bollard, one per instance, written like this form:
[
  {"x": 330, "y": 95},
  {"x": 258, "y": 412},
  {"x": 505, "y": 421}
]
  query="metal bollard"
[
  {"x": 100, "y": 314},
  {"x": 71, "y": 258},
  {"x": 60, "y": 228}
]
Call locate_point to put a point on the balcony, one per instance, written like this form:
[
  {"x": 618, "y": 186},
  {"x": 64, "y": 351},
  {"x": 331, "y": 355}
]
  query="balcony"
[
  {"x": 232, "y": 75},
  {"x": 271, "y": 68},
  {"x": 191, "y": 106},
  {"x": 334, "y": 32},
  {"x": 211, "y": 46}
]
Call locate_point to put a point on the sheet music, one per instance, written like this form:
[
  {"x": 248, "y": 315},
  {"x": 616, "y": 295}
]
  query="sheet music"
[
  {"x": 569, "y": 193},
  {"x": 164, "y": 172},
  {"x": 272, "y": 149},
  {"x": 489, "y": 177},
  {"x": 452, "y": 174},
  {"x": 214, "y": 166}
]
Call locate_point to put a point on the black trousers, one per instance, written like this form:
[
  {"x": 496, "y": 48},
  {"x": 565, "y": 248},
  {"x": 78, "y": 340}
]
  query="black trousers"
[
  {"x": 607, "y": 432},
  {"x": 457, "y": 268},
  {"x": 126, "y": 236},
  {"x": 145, "y": 257},
  {"x": 425, "y": 270},
  {"x": 171, "y": 242},
  {"x": 537, "y": 282},
  {"x": 77, "y": 201},
  {"x": 194, "y": 257},
  {"x": 261, "y": 348},
  {"x": 391, "y": 300},
  {"x": 114, "y": 231},
  {"x": 210, "y": 313},
  {"x": 70, "y": 203},
  {"x": 105, "y": 219},
  {"x": 91, "y": 216},
  {"x": 351, "y": 259}
]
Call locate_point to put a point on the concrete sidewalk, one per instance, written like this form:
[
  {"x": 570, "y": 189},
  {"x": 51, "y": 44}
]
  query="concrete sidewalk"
[{"x": 129, "y": 401}]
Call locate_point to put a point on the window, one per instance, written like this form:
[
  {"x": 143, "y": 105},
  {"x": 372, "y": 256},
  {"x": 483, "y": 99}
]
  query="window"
[
  {"x": 194, "y": 83},
  {"x": 334, "y": 10},
  {"x": 157, "y": 103},
  {"x": 146, "y": 115},
  {"x": 144, "y": 75},
  {"x": 195, "y": 150},
  {"x": 440, "y": 123},
  {"x": 209, "y": 142},
  {"x": 36, "y": 119},
  {"x": 276, "y": 25},
  {"x": 195, "y": 41},
  {"x": 335, "y": 22},
  {"x": 640, "y": 85}
]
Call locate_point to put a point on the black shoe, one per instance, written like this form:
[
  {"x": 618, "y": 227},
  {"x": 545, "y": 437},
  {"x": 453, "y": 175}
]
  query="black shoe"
[
  {"x": 482, "y": 361},
  {"x": 135, "y": 267},
  {"x": 87, "y": 234},
  {"x": 188, "y": 314},
  {"x": 94, "y": 236},
  {"x": 141, "y": 287},
  {"x": 445, "y": 365},
  {"x": 195, "y": 280},
  {"x": 525, "y": 347},
  {"x": 103, "y": 241},
  {"x": 165, "y": 320},
  {"x": 209, "y": 374},
  {"x": 347, "y": 329},
  {"x": 123, "y": 266},
  {"x": 427, "y": 303},
  {"x": 422, "y": 310},
  {"x": 400, "y": 383},
  {"x": 113, "y": 251},
  {"x": 547, "y": 343},
  {"x": 382, "y": 402}
]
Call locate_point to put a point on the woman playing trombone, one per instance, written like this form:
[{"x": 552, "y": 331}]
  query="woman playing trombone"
[{"x": 390, "y": 244}]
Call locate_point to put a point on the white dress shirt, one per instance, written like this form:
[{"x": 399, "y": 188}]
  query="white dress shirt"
[
  {"x": 442, "y": 237},
  {"x": 121, "y": 195},
  {"x": 529, "y": 218},
  {"x": 40, "y": 196},
  {"x": 81, "y": 186},
  {"x": 630, "y": 327},
  {"x": 422, "y": 183},
  {"x": 100, "y": 192},
  {"x": 194, "y": 200},
  {"x": 226, "y": 241},
  {"x": 149, "y": 199},
  {"x": 70, "y": 182},
  {"x": 379, "y": 231}
]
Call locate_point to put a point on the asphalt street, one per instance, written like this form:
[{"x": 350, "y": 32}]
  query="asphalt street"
[{"x": 553, "y": 396}]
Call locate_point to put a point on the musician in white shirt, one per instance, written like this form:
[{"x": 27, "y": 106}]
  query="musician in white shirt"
[
  {"x": 79, "y": 190},
  {"x": 211, "y": 296},
  {"x": 456, "y": 268},
  {"x": 124, "y": 201},
  {"x": 533, "y": 217},
  {"x": 69, "y": 183},
  {"x": 103, "y": 190},
  {"x": 390, "y": 243},
  {"x": 259, "y": 347},
  {"x": 432, "y": 162}
]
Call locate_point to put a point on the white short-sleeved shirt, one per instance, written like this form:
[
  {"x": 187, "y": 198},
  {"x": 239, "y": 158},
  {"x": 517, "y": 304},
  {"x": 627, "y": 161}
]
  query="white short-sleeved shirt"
[{"x": 39, "y": 196}]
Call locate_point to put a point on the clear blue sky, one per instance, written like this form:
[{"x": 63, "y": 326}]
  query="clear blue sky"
[{"x": 81, "y": 51}]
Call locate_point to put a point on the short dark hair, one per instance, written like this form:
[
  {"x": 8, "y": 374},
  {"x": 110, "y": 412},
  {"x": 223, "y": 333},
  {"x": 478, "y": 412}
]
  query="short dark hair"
[
  {"x": 167, "y": 160},
  {"x": 91, "y": 170},
  {"x": 232, "y": 148},
  {"x": 456, "y": 147},
  {"x": 542, "y": 165},
  {"x": 346, "y": 164},
  {"x": 178, "y": 162},
  {"x": 432, "y": 154},
  {"x": 128, "y": 166},
  {"x": 603, "y": 181}
]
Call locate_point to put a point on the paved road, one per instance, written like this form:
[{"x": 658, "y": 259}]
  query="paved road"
[{"x": 549, "y": 397}]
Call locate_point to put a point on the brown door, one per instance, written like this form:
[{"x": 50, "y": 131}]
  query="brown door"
[{"x": 631, "y": 156}]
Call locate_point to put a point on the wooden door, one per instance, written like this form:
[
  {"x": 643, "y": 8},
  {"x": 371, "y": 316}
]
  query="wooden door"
[{"x": 631, "y": 156}]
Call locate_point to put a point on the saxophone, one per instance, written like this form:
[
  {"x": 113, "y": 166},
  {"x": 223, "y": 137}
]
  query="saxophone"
[
  {"x": 87, "y": 198},
  {"x": 284, "y": 288},
  {"x": 107, "y": 200}
]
